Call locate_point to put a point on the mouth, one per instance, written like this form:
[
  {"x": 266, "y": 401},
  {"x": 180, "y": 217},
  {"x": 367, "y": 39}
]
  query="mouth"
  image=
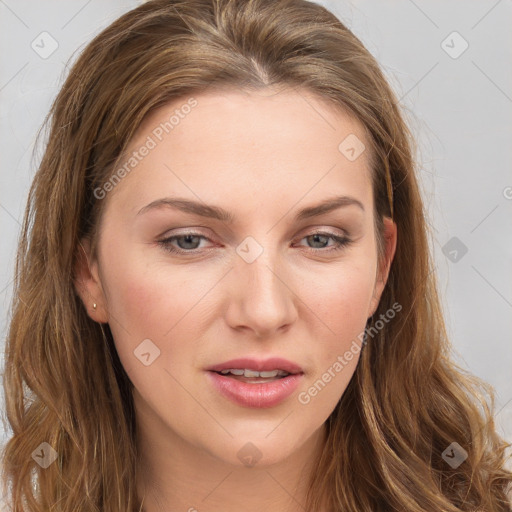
[
  {"x": 254, "y": 388},
  {"x": 255, "y": 371},
  {"x": 254, "y": 377}
]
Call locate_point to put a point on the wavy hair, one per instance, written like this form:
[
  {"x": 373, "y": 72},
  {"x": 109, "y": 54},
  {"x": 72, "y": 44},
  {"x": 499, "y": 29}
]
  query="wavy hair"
[{"x": 64, "y": 384}]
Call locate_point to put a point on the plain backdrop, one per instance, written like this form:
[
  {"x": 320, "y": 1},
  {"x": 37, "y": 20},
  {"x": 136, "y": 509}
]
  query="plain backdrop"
[{"x": 451, "y": 66}]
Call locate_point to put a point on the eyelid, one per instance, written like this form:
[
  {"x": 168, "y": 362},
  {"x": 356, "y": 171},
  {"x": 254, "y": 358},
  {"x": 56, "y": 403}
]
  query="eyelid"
[
  {"x": 339, "y": 232},
  {"x": 340, "y": 241}
]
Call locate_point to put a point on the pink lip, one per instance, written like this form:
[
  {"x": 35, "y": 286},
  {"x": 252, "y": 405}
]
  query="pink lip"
[
  {"x": 263, "y": 395},
  {"x": 274, "y": 363}
]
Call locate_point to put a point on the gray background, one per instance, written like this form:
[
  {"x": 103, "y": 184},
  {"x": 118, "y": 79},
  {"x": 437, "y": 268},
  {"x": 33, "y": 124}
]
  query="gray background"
[{"x": 458, "y": 104}]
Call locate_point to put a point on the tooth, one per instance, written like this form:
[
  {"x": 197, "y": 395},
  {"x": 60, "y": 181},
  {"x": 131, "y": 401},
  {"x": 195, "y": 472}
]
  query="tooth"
[
  {"x": 250, "y": 373},
  {"x": 255, "y": 374},
  {"x": 273, "y": 373}
]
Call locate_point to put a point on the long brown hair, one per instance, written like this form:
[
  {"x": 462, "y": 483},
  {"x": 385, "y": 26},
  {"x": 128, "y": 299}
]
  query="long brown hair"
[{"x": 64, "y": 385}]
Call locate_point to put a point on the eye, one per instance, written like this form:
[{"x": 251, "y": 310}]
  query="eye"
[
  {"x": 340, "y": 242},
  {"x": 188, "y": 243}
]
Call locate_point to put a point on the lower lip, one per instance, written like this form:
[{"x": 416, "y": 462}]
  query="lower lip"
[{"x": 266, "y": 394}]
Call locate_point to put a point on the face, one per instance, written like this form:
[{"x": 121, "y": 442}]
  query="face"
[{"x": 183, "y": 291}]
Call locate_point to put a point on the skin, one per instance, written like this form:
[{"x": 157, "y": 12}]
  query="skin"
[{"x": 262, "y": 156}]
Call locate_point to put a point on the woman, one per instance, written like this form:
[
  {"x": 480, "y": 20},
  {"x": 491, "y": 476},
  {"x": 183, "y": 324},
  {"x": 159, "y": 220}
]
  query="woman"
[{"x": 294, "y": 356}]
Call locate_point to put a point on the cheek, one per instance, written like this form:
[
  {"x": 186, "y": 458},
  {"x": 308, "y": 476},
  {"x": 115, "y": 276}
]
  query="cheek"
[
  {"x": 341, "y": 298},
  {"x": 146, "y": 304},
  {"x": 145, "y": 294},
  {"x": 341, "y": 303},
  {"x": 170, "y": 305}
]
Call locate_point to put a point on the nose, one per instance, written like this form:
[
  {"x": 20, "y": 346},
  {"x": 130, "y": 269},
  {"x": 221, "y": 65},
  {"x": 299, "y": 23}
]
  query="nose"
[{"x": 261, "y": 297}]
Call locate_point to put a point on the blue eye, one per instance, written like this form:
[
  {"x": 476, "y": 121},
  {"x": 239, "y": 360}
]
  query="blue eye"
[
  {"x": 189, "y": 239},
  {"x": 340, "y": 241},
  {"x": 193, "y": 239}
]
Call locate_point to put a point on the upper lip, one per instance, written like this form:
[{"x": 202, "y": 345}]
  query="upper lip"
[{"x": 273, "y": 363}]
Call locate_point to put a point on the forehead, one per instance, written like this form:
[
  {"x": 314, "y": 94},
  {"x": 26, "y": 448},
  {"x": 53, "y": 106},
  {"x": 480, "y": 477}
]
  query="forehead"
[
  {"x": 261, "y": 146},
  {"x": 273, "y": 115}
]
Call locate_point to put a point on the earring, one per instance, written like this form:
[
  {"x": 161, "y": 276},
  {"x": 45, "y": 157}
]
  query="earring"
[{"x": 94, "y": 306}]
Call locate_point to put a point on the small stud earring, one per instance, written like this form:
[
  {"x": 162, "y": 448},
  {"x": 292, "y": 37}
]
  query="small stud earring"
[{"x": 94, "y": 306}]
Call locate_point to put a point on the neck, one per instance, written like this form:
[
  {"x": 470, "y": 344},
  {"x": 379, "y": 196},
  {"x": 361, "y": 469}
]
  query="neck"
[{"x": 174, "y": 474}]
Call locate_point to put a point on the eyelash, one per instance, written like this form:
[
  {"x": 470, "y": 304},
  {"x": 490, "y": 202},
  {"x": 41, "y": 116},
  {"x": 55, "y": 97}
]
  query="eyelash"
[{"x": 341, "y": 242}]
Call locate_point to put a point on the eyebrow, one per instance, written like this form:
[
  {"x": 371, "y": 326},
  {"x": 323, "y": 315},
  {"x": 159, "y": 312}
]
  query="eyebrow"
[{"x": 216, "y": 212}]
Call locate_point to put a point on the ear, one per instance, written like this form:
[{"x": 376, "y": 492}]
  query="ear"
[
  {"x": 88, "y": 284},
  {"x": 390, "y": 237}
]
